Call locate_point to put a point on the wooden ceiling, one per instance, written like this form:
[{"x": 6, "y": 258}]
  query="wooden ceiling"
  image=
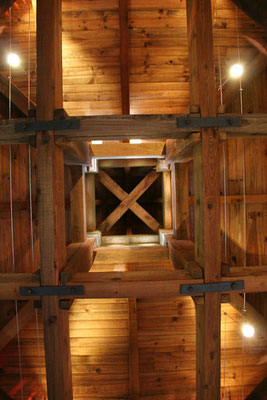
[
  {"x": 103, "y": 342},
  {"x": 108, "y": 336},
  {"x": 158, "y": 55}
]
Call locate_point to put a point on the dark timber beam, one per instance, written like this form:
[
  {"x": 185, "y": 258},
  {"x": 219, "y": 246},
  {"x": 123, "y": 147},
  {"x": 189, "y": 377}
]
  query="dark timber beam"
[
  {"x": 124, "y": 56},
  {"x": 9, "y": 331},
  {"x": 125, "y": 127},
  {"x": 260, "y": 392},
  {"x": 18, "y": 98},
  {"x": 50, "y": 180},
  {"x": 207, "y": 198},
  {"x": 257, "y": 10},
  {"x": 146, "y": 284}
]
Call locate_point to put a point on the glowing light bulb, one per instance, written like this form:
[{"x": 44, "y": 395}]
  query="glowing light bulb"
[
  {"x": 248, "y": 330},
  {"x": 97, "y": 141},
  {"x": 236, "y": 70},
  {"x": 13, "y": 60},
  {"x": 135, "y": 141}
]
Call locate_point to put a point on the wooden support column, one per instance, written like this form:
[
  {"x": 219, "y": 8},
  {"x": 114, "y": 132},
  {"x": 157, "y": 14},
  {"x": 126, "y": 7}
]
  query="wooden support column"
[
  {"x": 90, "y": 202},
  {"x": 133, "y": 346},
  {"x": 167, "y": 199},
  {"x": 207, "y": 201},
  {"x": 51, "y": 207},
  {"x": 180, "y": 192},
  {"x": 77, "y": 205}
]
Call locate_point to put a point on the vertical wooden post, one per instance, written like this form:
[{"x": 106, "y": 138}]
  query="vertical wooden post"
[
  {"x": 180, "y": 191},
  {"x": 207, "y": 200},
  {"x": 167, "y": 199},
  {"x": 77, "y": 205},
  {"x": 133, "y": 346},
  {"x": 124, "y": 61},
  {"x": 90, "y": 202},
  {"x": 51, "y": 207}
]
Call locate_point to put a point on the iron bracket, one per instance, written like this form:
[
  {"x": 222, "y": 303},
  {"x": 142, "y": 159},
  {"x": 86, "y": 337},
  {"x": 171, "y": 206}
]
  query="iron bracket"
[
  {"x": 208, "y": 122},
  {"x": 53, "y": 125},
  {"x": 51, "y": 290},
  {"x": 212, "y": 287}
]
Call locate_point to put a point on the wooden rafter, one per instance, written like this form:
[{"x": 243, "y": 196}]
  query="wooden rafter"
[
  {"x": 124, "y": 56},
  {"x": 260, "y": 392},
  {"x": 18, "y": 98},
  {"x": 128, "y": 201},
  {"x": 9, "y": 331}
]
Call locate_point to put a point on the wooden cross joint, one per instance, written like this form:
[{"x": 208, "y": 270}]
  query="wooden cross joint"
[{"x": 128, "y": 201}]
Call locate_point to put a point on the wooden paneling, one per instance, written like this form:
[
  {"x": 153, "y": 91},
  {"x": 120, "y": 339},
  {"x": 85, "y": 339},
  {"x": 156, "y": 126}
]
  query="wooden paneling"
[
  {"x": 99, "y": 339},
  {"x": 158, "y": 62},
  {"x": 21, "y": 214}
]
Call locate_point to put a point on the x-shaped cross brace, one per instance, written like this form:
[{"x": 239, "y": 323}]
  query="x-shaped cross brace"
[{"x": 128, "y": 201}]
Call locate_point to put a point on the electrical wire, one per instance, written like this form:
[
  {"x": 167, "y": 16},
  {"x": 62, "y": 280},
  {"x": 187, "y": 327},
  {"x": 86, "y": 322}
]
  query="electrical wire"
[
  {"x": 238, "y": 55},
  {"x": 219, "y": 58}
]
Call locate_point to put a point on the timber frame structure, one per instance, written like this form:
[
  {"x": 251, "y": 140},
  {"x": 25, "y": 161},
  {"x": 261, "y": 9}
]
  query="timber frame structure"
[{"x": 61, "y": 278}]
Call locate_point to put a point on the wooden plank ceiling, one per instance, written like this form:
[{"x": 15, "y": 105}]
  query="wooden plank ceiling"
[
  {"x": 158, "y": 54},
  {"x": 166, "y": 344},
  {"x": 104, "y": 353}
]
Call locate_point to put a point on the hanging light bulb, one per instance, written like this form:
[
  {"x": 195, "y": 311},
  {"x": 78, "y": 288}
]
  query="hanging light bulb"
[
  {"x": 13, "y": 60},
  {"x": 248, "y": 330},
  {"x": 236, "y": 70}
]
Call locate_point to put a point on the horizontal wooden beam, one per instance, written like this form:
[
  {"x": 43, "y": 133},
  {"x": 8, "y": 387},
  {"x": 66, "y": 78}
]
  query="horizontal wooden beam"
[
  {"x": 129, "y": 239},
  {"x": 124, "y": 163},
  {"x": 182, "y": 255},
  {"x": 155, "y": 149},
  {"x": 80, "y": 258},
  {"x": 137, "y": 284},
  {"x": 239, "y": 199},
  {"x": 125, "y": 127}
]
